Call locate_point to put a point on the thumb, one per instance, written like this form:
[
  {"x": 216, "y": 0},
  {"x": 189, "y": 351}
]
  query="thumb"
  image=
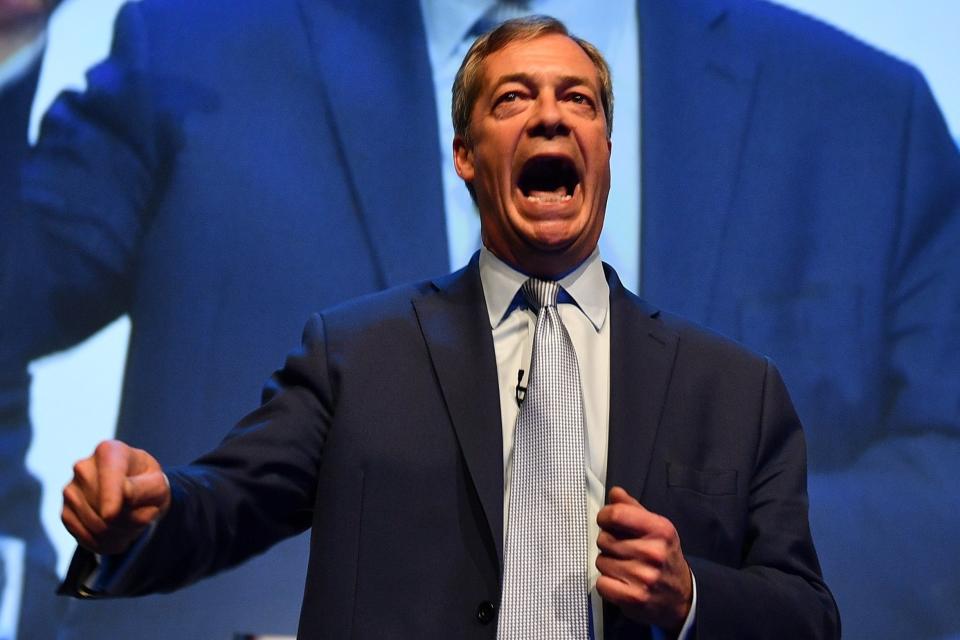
[
  {"x": 150, "y": 489},
  {"x": 619, "y": 495}
]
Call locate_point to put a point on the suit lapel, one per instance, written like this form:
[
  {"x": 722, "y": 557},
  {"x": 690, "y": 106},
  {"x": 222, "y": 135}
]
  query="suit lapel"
[
  {"x": 697, "y": 88},
  {"x": 375, "y": 75},
  {"x": 456, "y": 329},
  {"x": 642, "y": 353}
]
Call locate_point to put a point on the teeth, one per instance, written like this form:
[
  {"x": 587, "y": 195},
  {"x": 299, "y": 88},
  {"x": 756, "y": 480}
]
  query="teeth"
[{"x": 548, "y": 197}]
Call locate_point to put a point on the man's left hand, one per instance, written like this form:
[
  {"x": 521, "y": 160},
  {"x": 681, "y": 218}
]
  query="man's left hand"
[{"x": 642, "y": 568}]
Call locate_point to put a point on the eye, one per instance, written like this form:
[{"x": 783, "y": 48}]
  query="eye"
[
  {"x": 579, "y": 98},
  {"x": 509, "y": 96}
]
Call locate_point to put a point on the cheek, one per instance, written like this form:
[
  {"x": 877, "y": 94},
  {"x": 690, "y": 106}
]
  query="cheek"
[{"x": 602, "y": 176}]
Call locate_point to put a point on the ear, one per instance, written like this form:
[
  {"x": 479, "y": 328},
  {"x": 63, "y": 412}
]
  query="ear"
[{"x": 463, "y": 159}]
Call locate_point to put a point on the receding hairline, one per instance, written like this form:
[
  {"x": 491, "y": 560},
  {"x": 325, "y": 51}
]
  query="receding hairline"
[{"x": 469, "y": 80}]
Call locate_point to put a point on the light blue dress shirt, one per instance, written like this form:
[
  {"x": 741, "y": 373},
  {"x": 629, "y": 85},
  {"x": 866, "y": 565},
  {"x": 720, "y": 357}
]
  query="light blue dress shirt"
[{"x": 587, "y": 321}]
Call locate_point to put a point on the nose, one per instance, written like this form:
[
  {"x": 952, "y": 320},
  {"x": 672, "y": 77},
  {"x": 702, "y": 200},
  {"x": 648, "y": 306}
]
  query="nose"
[{"x": 548, "y": 119}]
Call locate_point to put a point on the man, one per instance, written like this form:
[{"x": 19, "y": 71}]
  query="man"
[
  {"x": 376, "y": 435},
  {"x": 799, "y": 193}
]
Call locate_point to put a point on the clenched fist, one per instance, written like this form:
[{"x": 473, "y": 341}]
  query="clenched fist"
[
  {"x": 114, "y": 495},
  {"x": 642, "y": 568}
]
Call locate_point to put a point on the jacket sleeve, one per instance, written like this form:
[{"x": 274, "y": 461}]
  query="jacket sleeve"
[
  {"x": 255, "y": 489},
  {"x": 777, "y": 591}
]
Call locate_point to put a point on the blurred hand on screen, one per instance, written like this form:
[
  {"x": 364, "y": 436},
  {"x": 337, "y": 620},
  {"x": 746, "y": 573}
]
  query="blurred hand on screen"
[{"x": 13, "y": 12}]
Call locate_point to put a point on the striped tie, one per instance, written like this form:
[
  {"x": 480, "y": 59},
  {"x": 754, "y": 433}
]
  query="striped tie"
[{"x": 500, "y": 11}]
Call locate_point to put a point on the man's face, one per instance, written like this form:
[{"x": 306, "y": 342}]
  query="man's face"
[{"x": 538, "y": 155}]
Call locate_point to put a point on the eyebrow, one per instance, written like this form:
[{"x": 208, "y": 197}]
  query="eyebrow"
[{"x": 527, "y": 78}]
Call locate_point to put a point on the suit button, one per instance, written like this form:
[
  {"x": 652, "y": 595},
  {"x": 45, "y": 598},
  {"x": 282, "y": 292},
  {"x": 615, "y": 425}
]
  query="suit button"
[{"x": 485, "y": 612}]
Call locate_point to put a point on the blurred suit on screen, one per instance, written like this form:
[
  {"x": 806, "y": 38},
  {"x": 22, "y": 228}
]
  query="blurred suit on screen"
[{"x": 27, "y": 559}]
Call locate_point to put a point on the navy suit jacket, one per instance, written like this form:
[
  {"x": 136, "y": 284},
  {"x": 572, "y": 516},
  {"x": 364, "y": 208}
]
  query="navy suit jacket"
[
  {"x": 235, "y": 165},
  {"x": 377, "y": 436}
]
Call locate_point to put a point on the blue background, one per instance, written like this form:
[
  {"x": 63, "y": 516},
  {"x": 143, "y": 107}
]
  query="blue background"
[{"x": 80, "y": 388}]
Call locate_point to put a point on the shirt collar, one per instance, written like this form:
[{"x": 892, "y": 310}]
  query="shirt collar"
[
  {"x": 447, "y": 23},
  {"x": 586, "y": 285}
]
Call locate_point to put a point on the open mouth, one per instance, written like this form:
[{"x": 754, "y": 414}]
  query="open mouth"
[{"x": 548, "y": 179}]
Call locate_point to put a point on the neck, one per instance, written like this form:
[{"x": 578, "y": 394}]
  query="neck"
[{"x": 543, "y": 265}]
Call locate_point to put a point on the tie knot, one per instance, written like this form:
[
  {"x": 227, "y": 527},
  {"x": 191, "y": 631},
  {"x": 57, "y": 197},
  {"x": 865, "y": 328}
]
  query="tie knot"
[
  {"x": 541, "y": 293},
  {"x": 499, "y": 12}
]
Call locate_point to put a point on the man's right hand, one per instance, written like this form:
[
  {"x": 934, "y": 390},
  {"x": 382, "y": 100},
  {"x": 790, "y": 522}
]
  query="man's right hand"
[{"x": 115, "y": 494}]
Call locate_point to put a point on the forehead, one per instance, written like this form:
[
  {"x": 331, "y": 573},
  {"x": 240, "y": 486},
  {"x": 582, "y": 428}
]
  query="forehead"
[{"x": 549, "y": 56}]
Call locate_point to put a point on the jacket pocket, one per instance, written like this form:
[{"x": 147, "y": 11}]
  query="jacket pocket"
[{"x": 709, "y": 482}]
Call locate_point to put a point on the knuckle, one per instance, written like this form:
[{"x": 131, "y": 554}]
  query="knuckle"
[
  {"x": 85, "y": 472},
  {"x": 602, "y": 588},
  {"x": 611, "y": 589},
  {"x": 639, "y": 596},
  {"x": 111, "y": 518},
  {"x": 665, "y": 528},
  {"x": 657, "y": 555},
  {"x": 639, "y": 574},
  {"x": 618, "y": 514},
  {"x": 603, "y": 563},
  {"x": 653, "y": 578},
  {"x": 103, "y": 448},
  {"x": 96, "y": 527},
  {"x": 604, "y": 541}
]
